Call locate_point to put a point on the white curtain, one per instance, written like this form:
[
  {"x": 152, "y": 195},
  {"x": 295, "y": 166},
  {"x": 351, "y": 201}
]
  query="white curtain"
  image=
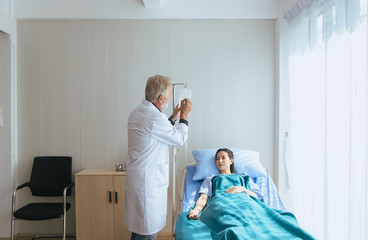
[{"x": 329, "y": 119}]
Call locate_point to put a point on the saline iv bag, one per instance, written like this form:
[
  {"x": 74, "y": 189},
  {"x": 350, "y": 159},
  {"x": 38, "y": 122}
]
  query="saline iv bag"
[{"x": 184, "y": 93}]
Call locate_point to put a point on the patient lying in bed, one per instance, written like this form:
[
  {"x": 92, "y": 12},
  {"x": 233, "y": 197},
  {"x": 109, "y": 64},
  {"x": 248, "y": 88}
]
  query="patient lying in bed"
[
  {"x": 229, "y": 208},
  {"x": 224, "y": 162}
]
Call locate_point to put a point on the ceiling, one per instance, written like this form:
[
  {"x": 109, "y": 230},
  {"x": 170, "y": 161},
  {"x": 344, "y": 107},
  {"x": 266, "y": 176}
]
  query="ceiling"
[{"x": 150, "y": 9}]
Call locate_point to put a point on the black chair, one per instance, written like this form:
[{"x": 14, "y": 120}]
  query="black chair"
[{"x": 51, "y": 177}]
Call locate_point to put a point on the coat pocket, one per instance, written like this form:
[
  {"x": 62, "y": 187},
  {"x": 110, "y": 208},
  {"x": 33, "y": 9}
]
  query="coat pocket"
[{"x": 162, "y": 175}]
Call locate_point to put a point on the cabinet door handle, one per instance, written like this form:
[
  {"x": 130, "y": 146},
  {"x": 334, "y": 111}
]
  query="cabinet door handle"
[
  {"x": 110, "y": 197},
  {"x": 116, "y": 197}
]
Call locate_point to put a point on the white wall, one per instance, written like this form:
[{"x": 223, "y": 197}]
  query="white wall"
[
  {"x": 7, "y": 80},
  {"x": 6, "y": 181},
  {"x": 135, "y": 9},
  {"x": 78, "y": 81},
  {"x": 5, "y": 16},
  {"x": 7, "y": 20}
]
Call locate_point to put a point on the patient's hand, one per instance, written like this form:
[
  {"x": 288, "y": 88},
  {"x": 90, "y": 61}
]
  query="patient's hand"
[
  {"x": 194, "y": 214},
  {"x": 236, "y": 189},
  {"x": 239, "y": 189}
]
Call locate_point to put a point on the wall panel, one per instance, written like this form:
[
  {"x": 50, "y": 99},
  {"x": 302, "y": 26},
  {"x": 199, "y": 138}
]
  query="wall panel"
[{"x": 6, "y": 170}]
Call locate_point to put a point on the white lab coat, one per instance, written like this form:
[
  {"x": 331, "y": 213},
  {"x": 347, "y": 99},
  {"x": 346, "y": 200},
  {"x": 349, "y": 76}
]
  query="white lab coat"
[{"x": 147, "y": 170}]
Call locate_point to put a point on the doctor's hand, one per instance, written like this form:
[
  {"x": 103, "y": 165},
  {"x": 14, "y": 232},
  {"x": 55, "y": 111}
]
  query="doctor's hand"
[
  {"x": 176, "y": 112},
  {"x": 185, "y": 108},
  {"x": 194, "y": 214}
]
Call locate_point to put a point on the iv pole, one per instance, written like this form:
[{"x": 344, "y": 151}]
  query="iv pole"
[{"x": 174, "y": 151}]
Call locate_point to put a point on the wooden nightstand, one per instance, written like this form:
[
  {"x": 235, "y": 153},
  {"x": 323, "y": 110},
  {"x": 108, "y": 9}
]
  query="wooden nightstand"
[{"x": 100, "y": 204}]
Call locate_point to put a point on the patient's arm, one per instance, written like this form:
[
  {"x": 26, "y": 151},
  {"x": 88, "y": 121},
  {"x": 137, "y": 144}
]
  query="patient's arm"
[
  {"x": 238, "y": 189},
  {"x": 201, "y": 202}
]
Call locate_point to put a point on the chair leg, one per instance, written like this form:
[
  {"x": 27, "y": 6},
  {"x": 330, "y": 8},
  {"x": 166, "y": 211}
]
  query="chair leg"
[
  {"x": 64, "y": 226},
  {"x": 64, "y": 236},
  {"x": 52, "y": 236},
  {"x": 12, "y": 229},
  {"x": 64, "y": 215}
]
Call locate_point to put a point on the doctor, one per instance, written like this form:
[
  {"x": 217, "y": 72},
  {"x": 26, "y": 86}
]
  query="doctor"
[{"x": 147, "y": 170}]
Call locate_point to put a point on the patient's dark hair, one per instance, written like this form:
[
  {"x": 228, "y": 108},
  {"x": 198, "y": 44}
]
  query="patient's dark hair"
[{"x": 231, "y": 156}]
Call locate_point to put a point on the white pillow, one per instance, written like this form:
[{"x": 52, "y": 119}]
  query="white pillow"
[{"x": 245, "y": 162}]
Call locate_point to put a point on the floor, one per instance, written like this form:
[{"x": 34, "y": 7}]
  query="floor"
[
  {"x": 28, "y": 238},
  {"x": 164, "y": 237}
]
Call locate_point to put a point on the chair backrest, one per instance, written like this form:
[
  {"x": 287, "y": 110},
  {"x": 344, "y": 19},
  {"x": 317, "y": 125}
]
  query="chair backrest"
[{"x": 50, "y": 175}]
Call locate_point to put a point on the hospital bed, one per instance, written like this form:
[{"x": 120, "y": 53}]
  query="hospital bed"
[
  {"x": 190, "y": 188},
  {"x": 194, "y": 229}
]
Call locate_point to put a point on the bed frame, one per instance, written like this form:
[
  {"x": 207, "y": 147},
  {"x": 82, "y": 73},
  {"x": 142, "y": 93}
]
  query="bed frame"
[{"x": 177, "y": 207}]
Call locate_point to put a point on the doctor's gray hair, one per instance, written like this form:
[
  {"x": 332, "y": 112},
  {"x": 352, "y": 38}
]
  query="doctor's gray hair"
[{"x": 156, "y": 86}]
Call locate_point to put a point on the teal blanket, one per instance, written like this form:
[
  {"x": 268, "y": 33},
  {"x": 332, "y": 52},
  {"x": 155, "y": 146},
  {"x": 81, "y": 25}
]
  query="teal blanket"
[{"x": 238, "y": 216}]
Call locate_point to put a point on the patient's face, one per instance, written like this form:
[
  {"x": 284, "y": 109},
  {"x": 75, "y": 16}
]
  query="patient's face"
[{"x": 223, "y": 162}]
